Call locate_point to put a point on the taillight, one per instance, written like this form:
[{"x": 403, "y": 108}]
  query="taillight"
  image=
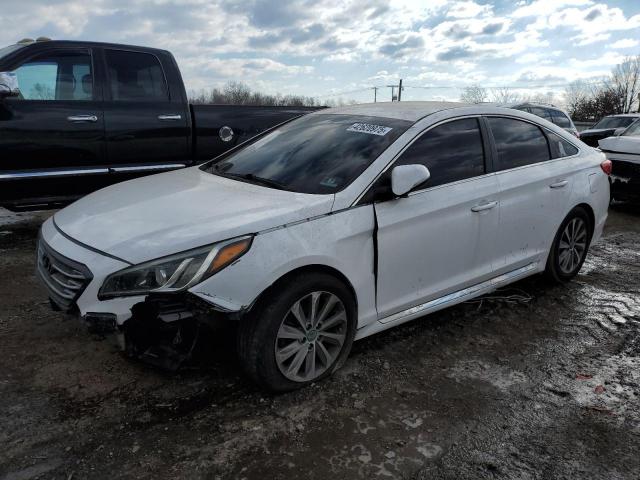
[{"x": 606, "y": 167}]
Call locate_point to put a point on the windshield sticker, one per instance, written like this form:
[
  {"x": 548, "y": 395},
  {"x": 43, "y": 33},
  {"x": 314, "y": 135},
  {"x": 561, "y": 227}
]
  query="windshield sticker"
[
  {"x": 370, "y": 129},
  {"x": 331, "y": 182}
]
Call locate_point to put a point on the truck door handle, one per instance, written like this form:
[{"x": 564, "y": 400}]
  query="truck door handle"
[
  {"x": 484, "y": 206},
  {"x": 82, "y": 118},
  {"x": 169, "y": 117},
  {"x": 561, "y": 184}
]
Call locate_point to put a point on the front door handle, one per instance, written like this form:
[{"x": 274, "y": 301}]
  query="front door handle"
[
  {"x": 82, "y": 118},
  {"x": 484, "y": 206},
  {"x": 561, "y": 184},
  {"x": 169, "y": 117}
]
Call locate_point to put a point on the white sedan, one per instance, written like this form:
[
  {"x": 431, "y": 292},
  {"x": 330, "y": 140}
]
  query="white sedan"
[
  {"x": 624, "y": 153},
  {"x": 328, "y": 229}
]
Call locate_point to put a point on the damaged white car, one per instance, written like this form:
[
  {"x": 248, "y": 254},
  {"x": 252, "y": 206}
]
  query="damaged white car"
[
  {"x": 327, "y": 229},
  {"x": 624, "y": 153}
]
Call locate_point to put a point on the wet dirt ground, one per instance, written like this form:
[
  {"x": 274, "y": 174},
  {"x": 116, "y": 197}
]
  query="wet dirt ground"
[{"x": 533, "y": 382}]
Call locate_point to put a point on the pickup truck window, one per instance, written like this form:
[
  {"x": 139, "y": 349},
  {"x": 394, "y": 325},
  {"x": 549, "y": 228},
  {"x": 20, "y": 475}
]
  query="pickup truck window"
[
  {"x": 319, "y": 154},
  {"x": 135, "y": 77},
  {"x": 56, "y": 76}
]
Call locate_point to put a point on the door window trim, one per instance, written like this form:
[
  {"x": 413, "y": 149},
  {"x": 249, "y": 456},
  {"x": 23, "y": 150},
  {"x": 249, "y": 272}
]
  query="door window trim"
[
  {"x": 545, "y": 132},
  {"x": 66, "y": 49},
  {"x": 488, "y": 163},
  {"x": 108, "y": 96}
]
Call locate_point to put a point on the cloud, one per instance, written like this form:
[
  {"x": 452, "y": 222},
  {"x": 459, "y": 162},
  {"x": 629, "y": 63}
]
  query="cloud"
[
  {"x": 625, "y": 43},
  {"x": 455, "y": 53},
  {"x": 398, "y": 46}
]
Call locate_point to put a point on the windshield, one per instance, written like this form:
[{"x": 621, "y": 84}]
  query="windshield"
[
  {"x": 633, "y": 130},
  {"x": 614, "y": 122},
  {"x": 7, "y": 50},
  {"x": 319, "y": 154}
]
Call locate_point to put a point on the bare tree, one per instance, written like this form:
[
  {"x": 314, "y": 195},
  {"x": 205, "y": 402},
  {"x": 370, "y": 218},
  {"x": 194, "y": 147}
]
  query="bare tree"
[
  {"x": 505, "y": 95},
  {"x": 625, "y": 82},
  {"x": 238, "y": 93},
  {"x": 474, "y": 94}
]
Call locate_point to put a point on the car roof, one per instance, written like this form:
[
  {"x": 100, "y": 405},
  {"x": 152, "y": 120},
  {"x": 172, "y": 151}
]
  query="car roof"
[
  {"x": 78, "y": 43},
  {"x": 411, "y": 111}
]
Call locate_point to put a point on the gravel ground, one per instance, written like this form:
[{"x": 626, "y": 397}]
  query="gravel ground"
[{"x": 535, "y": 381}]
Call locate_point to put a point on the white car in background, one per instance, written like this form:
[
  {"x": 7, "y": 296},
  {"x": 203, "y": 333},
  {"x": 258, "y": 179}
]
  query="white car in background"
[
  {"x": 328, "y": 229},
  {"x": 624, "y": 153}
]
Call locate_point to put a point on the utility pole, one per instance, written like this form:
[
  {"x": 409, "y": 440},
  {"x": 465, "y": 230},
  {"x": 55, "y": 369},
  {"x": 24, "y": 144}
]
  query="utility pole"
[
  {"x": 375, "y": 94},
  {"x": 393, "y": 92},
  {"x": 400, "y": 90}
]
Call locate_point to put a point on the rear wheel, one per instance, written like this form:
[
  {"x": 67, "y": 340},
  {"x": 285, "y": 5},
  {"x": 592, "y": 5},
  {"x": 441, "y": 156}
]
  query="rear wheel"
[
  {"x": 300, "y": 335},
  {"x": 570, "y": 246}
]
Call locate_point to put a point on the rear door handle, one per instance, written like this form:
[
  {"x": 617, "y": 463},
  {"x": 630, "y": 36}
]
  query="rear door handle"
[
  {"x": 484, "y": 206},
  {"x": 561, "y": 184},
  {"x": 82, "y": 118},
  {"x": 169, "y": 117}
]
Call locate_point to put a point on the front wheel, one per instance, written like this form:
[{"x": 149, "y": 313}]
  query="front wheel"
[
  {"x": 570, "y": 246},
  {"x": 300, "y": 335}
]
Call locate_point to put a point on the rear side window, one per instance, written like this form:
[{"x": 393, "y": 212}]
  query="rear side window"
[
  {"x": 62, "y": 75},
  {"x": 560, "y": 147},
  {"x": 452, "y": 151},
  {"x": 135, "y": 77},
  {"x": 560, "y": 119},
  {"x": 518, "y": 143}
]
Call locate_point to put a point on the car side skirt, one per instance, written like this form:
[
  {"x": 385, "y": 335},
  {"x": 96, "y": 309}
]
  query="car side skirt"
[{"x": 447, "y": 300}]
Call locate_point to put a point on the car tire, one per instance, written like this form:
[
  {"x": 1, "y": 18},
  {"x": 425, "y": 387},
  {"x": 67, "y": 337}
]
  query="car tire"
[
  {"x": 570, "y": 246},
  {"x": 267, "y": 349}
]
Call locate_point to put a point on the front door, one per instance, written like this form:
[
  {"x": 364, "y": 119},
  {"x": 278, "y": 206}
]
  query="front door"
[
  {"x": 440, "y": 238},
  {"x": 52, "y": 134}
]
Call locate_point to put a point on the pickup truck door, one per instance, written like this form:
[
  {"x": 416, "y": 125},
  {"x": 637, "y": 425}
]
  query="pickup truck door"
[
  {"x": 53, "y": 132},
  {"x": 147, "y": 121}
]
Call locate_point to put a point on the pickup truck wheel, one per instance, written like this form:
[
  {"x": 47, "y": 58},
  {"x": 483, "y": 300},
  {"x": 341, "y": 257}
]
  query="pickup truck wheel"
[
  {"x": 570, "y": 246},
  {"x": 300, "y": 335}
]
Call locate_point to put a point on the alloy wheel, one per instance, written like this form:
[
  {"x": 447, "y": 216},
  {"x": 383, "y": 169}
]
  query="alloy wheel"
[
  {"x": 573, "y": 245},
  {"x": 311, "y": 336}
]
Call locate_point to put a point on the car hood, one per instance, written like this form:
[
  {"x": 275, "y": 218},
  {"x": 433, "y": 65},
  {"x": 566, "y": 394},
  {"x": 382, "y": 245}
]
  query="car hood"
[
  {"x": 154, "y": 216},
  {"x": 622, "y": 144}
]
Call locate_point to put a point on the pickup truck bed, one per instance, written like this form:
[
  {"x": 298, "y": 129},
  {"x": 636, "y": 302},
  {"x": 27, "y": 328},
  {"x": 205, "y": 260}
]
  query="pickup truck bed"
[{"x": 86, "y": 115}]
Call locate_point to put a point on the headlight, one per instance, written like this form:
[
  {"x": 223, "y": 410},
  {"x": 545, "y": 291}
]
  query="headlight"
[{"x": 176, "y": 272}]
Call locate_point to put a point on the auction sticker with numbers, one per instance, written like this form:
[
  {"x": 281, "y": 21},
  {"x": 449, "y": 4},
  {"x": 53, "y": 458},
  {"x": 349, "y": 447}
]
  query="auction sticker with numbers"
[{"x": 369, "y": 128}]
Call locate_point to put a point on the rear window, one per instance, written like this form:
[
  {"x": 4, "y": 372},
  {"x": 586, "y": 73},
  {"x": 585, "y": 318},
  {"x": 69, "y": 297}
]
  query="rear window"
[
  {"x": 317, "y": 154},
  {"x": 614, "y": 122},
  {"x": 518, "y": 143},
  {"x": 561, "y": 119}
]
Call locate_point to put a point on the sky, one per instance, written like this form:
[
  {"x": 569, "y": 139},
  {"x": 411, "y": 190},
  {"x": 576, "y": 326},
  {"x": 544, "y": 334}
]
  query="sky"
[{"x": 340, "y": 49}]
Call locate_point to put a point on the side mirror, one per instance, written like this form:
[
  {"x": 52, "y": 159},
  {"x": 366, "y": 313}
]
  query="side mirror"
[
  {"x": 9, "y": 85},
  {"x": 405, "y": 178},
  {"x": 618, "y": 131}
]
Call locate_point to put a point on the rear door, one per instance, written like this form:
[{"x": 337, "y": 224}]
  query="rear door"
[
  {"x": 440, "y": 238},
  {"x": 147, "y": 128},
  {"x": 53, "y": 132},
  {"x": 535, "y": 190}
]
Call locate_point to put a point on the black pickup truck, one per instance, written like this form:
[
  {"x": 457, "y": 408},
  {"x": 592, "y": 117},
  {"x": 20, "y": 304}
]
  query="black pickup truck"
[{"x": 78, "y": 116}]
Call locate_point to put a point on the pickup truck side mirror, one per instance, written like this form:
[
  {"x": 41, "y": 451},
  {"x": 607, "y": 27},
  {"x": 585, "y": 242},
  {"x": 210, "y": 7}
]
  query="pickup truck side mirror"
[
  {"x": 405, "y": 178},
  {"x": 9, "y": 85}
]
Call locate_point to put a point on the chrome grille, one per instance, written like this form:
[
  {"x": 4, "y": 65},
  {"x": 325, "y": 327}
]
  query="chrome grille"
[{"x": 65, "y": 279}]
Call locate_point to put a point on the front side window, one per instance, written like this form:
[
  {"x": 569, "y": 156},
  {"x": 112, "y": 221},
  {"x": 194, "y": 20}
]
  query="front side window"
[
  {"x": 452, "y": 151},
  {"x": 135, "y": 77},
  {"x": 518, "y": 143},
  {"x": 561, "y": 119},
  {"x": 560, "y": 147},
  {"x": 56, "y": 76},
  {"x": 318, "y": 154}
]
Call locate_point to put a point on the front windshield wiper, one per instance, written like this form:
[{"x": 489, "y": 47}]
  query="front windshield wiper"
[{"x": 251, "y": 178}]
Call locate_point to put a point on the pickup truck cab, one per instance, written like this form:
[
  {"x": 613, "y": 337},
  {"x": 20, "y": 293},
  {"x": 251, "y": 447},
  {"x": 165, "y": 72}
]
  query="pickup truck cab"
[{"x": 78, "y": 116}]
